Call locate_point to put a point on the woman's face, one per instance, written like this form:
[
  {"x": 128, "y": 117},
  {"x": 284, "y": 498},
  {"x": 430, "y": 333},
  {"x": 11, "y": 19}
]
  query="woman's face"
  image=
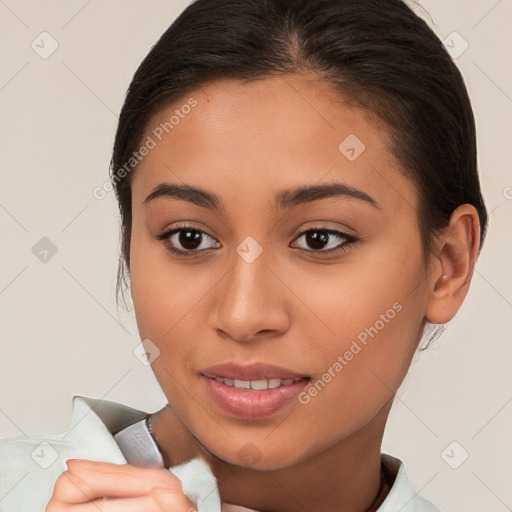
[{"x": 343, "y": 305}]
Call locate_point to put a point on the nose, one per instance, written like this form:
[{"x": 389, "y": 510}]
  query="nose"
[{"x": 250, "y": 302}]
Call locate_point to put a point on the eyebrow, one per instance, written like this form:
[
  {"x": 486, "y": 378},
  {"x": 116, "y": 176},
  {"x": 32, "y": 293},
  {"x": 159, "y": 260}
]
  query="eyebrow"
[{"x": 283, "y": 199}]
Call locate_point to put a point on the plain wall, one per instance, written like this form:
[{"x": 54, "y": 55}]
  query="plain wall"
[{"x": 60, "y": 332}]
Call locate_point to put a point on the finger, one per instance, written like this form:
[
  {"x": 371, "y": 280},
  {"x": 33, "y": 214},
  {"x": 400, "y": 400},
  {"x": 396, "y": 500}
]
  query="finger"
[
  {"x": 161, "y": 500},
  {"x": 86, "y": 480}
]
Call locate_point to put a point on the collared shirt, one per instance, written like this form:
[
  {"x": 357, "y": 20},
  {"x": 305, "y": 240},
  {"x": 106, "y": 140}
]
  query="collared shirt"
[{"x": 29, "y": 466}]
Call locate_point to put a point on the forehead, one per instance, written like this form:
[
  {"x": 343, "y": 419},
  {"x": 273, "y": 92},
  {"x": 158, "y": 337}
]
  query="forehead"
[{"x": 267, "y": 134}]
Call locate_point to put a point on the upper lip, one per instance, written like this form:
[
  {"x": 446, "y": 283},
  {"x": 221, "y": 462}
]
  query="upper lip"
[{"x": 253, "y": 371}]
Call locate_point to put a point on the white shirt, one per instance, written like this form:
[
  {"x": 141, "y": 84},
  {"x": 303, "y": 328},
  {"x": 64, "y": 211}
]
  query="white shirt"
[{"x": 29, "y": 466}]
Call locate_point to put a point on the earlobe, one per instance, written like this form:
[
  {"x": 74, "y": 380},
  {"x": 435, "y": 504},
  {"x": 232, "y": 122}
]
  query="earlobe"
[{"x": 452, "y": 267}]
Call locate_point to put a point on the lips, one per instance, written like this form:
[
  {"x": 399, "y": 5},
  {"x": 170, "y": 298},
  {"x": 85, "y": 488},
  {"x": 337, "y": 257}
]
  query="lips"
[
  {"x": 252, "y": 404},
  {"x": 251, "y": 372}
]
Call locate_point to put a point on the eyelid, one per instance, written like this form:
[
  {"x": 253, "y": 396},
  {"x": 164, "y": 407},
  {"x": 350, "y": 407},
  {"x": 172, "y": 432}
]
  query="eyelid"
[
  {"x": 182, "y": 227},
  {"x": 327, "y": 226},
  {"x": 349, "y": 240},
  {"x": 166, "y": 235}
]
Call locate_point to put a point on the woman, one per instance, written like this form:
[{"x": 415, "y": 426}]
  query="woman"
[{"x": 299, "y": 198}]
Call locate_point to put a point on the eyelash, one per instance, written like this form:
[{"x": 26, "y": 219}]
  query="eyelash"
[{"x": 349, "y": 240}]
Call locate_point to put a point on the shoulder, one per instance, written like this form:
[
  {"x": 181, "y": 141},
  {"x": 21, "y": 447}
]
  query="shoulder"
[
  {"x": 30, "y": 465},
  {"x": 402, "y": 496}
]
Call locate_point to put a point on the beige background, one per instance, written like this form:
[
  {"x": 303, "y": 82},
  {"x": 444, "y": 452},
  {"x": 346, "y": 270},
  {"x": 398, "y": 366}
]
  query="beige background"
[{"x": 60, "y": 332}]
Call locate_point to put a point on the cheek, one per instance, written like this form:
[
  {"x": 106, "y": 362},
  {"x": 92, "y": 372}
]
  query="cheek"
[
  {"x": 378, "y": 288},
  {"x": 170, "y": 305},
  {"x": 160, "y": 295},
  {"x": 370, "y": 313}
]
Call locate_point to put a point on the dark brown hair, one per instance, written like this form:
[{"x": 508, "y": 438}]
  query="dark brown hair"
[{"x": 377, "y": 52}]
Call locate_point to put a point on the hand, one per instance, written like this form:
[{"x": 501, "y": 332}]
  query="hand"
[{"x": 127, "y": 488}]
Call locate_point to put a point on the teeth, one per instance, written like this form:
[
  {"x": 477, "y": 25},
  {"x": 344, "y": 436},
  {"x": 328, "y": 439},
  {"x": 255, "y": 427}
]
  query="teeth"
[
  {"x": 274, "y": 383},
  {"x": 243, "y": 384},
  {"x": 256, "y": 385}
]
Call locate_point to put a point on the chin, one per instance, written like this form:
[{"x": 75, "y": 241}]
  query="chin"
[{"x": 251, "y": 457}]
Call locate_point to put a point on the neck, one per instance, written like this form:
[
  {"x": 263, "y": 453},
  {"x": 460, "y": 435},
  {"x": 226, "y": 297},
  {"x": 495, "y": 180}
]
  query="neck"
[{"x": 345, "y": 477}]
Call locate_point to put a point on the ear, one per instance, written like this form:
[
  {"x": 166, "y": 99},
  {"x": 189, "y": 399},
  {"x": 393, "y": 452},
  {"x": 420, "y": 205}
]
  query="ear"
[{"x": 452, "y": 268}]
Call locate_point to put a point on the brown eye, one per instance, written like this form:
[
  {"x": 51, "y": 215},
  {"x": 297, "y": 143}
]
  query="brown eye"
[
  {"x": 325, "y": 240},
  {"x": 189, "y": 239},
  {"x": 186, "y": 239}
]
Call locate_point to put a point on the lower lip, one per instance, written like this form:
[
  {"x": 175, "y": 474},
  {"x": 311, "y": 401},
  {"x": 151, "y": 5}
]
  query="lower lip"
[{"x": 251, "y": 404}]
